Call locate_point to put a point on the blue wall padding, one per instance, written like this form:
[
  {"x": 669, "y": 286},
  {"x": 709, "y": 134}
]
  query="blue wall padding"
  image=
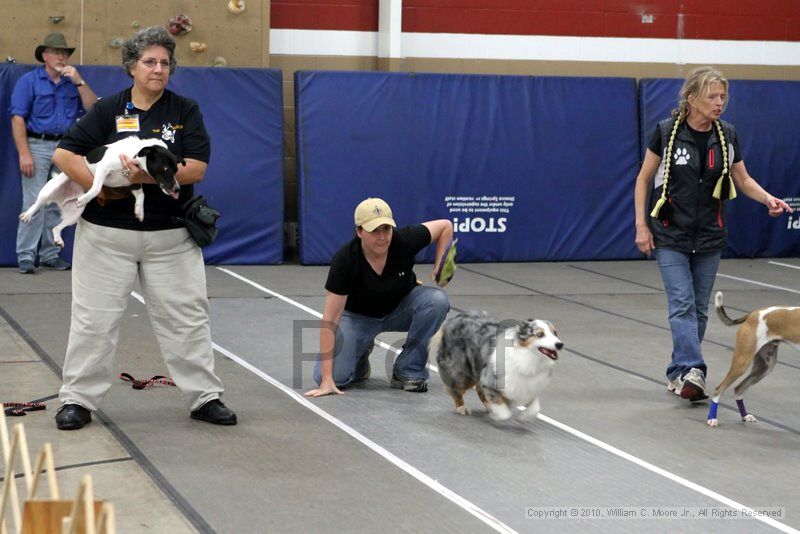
[
  {"x": 566, "y": 150},
  {"x": 766, "y": 115},
  {"x": 243, "y": 112}
]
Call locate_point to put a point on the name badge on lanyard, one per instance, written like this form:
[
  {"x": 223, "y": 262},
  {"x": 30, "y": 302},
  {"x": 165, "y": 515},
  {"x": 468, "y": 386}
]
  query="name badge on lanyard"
[{"x": 127, "y": 123}]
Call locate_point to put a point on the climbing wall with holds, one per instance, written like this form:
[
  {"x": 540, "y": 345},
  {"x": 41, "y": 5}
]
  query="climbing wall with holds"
[{"x": 234, "y": 33}]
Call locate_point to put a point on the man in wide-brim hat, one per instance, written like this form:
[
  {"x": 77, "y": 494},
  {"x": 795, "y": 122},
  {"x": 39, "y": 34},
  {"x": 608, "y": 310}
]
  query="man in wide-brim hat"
[
  {"x": 45, "y": 103},
  {"x": 54, "y": 41}
]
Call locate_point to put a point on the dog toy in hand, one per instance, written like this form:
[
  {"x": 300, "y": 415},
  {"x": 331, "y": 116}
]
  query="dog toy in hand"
[{"x": 448, "y": 266}]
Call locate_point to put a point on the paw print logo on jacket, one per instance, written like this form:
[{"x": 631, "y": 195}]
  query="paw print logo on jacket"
[{"x": 682, "y": 156}]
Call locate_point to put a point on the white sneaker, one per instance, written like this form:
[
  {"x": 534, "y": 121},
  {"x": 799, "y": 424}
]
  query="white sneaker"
[
  {"x": 694, "y": 385},
  {"x": 675, "y": 385}
]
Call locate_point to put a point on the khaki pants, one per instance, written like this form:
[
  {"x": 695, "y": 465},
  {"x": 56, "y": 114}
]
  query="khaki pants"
[{"x": 171, "y": 272}]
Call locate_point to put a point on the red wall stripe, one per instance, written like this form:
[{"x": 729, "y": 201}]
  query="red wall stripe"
[
  {"x": 765, "y": 20},
  {"x": 352, "y": 15}
]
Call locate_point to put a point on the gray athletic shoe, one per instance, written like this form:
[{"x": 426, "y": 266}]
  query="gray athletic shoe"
[
  {"x": 414, "y": 385},
  {"x": 694, "y": 385},
  {"x": 675, "y": 385}
]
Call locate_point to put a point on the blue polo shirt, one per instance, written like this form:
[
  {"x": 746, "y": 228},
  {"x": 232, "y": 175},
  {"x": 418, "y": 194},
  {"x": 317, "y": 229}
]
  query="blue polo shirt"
[{"x": 47, "y": 107}]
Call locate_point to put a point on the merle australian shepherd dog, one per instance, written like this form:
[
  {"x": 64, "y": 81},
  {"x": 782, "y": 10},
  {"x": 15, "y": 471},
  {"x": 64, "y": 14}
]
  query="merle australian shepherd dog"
[{"x": 509, "y": 366}]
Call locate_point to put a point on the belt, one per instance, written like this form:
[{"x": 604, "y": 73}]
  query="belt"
[{"x": 45, "y": 137}]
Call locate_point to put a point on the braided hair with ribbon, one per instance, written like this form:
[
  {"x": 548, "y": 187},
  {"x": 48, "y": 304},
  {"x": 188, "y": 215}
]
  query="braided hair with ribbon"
[{"x": 696, "y": 83}]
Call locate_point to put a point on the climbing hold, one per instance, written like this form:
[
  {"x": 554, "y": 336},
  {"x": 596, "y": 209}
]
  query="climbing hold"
[
  {"x": 197, "y": 47},
  {"x": 135, "y": 24},
  {"x": 55, "y": 19},
  {"x": 219, "y": 61},
  {"x": 236, "y": 6},
  {"x": 180, "y": 25},
  {"x": 116, "y": 42}
]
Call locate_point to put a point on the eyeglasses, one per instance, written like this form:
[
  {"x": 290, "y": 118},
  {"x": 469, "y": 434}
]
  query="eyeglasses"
[{"x": 151, "y": 63}]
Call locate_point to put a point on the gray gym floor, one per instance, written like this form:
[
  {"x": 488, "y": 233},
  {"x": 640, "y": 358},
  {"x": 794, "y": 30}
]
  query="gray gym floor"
[{"x": 610, "y": 438}]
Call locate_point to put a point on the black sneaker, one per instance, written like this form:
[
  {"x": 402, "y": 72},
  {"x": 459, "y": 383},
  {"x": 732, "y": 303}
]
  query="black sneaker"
[
  {"x": 214, "y": 412},
  {"x": 414, "y": 385},
  {"x": 26, "y": 267},
  {"x": 72, "y": 417},
  {"x": 57, "y": 263},
  {"x": 363, "y": 368}
]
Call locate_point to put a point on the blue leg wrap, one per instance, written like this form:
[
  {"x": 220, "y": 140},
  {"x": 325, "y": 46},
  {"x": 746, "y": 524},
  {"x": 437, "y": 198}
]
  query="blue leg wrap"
[{"x": 712, "y": 410}]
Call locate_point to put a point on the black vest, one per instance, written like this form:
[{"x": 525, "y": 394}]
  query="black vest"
[{"x": 698, "y": 222}]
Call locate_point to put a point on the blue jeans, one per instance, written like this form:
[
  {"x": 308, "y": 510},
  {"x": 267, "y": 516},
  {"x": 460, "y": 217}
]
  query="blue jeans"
[
  {"x": 688, "y": 281},
  {"x": 36, "y": 236},
  {"x": 420, "y": 313}
]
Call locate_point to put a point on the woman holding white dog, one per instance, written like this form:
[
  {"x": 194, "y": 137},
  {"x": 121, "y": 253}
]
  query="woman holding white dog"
[
  {"x": 697, "y": 165},
  {"x": 113, "y": 249}
]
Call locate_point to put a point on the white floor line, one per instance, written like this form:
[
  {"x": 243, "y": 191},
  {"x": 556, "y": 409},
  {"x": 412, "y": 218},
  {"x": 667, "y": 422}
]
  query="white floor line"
[
  {"x": 294, "y": 303},
  {"x": 490, "y": 520},
  {"x": 566, "y": 428},
  {"x": 457, "y": 499},
  {"x": 781, "y": 264},
  {"x": 762, "y": 284},
  {"x": 666, "y": 474},
  {"x": 305, "y": 308}
]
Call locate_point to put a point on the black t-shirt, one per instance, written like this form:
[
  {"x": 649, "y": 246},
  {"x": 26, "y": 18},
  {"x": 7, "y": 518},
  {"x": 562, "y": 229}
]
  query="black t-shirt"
[
  {"x": 656, "y": 144},
  {"x": 367, "y": 292},
  {"x": 701, "y": 141},
  {"x": 174, "y": 119}
]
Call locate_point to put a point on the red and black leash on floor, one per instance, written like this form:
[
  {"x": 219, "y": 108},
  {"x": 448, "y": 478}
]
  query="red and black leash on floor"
[
  {"x": 18, "y": 409},
  {"x": 142, "y": 384}
]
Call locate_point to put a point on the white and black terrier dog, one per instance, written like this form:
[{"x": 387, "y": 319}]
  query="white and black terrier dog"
[
  {"x": 105, "y": 165},
  {"x": 509, "y": 367}
]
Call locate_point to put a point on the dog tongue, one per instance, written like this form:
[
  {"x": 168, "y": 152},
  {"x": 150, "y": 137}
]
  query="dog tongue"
[{"x": 553, "y": 355}]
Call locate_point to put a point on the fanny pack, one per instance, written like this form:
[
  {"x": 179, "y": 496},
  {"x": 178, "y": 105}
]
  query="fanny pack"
[{"x": 200, "y": 220}]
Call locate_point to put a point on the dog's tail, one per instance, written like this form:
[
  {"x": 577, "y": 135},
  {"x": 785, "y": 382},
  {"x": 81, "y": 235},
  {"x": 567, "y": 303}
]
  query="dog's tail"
[{"x": 723, "y": 315}]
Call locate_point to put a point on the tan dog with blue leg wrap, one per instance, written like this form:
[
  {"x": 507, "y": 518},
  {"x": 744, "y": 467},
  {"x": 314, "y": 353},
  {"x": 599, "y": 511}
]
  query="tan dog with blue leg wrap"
[{"x": 757, "y": 344}]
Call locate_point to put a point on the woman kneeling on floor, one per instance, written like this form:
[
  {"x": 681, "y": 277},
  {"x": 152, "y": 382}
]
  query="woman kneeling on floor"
[{"x": 372, "y": 288}]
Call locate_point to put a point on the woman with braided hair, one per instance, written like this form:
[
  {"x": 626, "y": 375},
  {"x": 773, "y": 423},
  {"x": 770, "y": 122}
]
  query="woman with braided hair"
[{"x": 691, "y": 166}]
